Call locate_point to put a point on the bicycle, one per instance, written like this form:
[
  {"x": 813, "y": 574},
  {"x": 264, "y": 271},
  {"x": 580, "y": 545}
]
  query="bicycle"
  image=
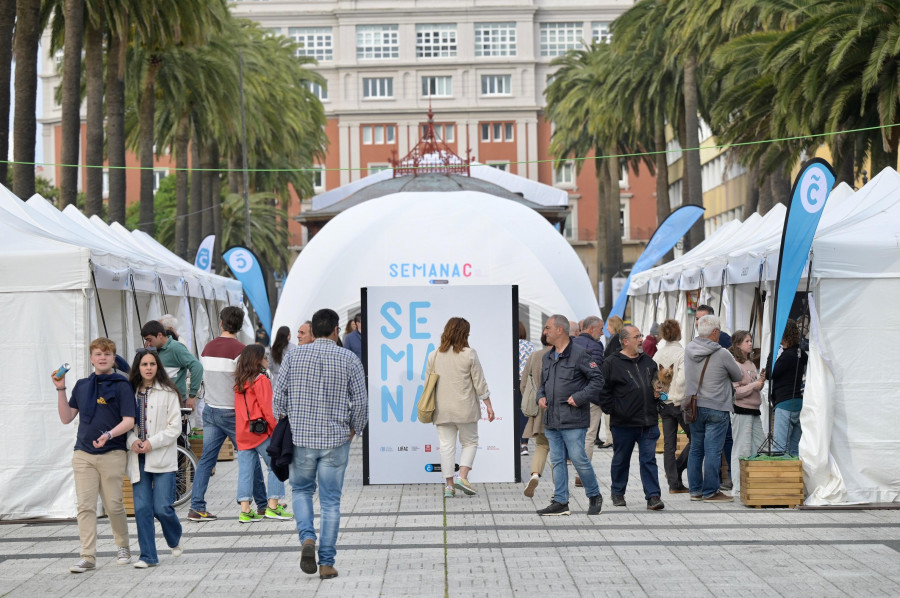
[{"x": 187, "y": 462}]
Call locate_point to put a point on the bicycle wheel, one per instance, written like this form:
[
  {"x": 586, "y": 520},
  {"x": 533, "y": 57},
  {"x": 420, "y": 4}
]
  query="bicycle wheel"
[{"x": 184, "y": 476}]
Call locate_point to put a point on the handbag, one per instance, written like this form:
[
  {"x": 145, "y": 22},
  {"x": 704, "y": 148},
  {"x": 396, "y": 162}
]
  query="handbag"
[
  {"x": 257, "y": 426},
  {"x": 425, "y": 409},
  {"x": 689, "y": 407},
  {"x": 529, "y": 399}
]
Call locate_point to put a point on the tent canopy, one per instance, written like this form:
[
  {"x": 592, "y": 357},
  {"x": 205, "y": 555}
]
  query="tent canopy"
[{"x": 462, "y": 237}]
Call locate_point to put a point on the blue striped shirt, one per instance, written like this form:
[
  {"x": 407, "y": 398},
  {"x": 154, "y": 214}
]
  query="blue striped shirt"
[{"x": 322, "y": 389}]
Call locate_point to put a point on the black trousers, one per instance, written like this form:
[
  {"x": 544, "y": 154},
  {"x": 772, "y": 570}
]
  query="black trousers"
[{"x": 672, "y": 417}]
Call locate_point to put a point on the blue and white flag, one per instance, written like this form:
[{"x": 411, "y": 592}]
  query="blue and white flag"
[
  {"x": 245, "y": 266},
  {"x": 204, "y": 254},
  {"x": 667, "y": 234},
  {"x": 811, "y": 189}
]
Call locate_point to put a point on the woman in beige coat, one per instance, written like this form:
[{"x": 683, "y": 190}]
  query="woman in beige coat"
[
  {"x": 534, "y": 427},
  {"x": 460, "y": 388}
]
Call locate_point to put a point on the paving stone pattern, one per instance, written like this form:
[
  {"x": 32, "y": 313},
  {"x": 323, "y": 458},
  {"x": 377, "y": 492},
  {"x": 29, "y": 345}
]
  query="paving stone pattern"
[{"x": 409, "y": 541}]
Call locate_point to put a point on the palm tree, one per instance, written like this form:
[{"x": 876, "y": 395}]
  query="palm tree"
[
  {"x": 116, "y": 47},
  {"x": 27, "y": 36},
  {"x": 73, "y": 15},
  {"x": 270, "y": 243},
  {"x": 7, "y": 19},
  {"x": 93, "y": 63}
]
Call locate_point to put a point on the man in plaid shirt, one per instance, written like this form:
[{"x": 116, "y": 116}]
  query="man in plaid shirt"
[{"x": 322, "y": 390}]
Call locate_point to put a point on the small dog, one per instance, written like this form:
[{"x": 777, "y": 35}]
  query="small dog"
[{"x": 662, "y": 381}]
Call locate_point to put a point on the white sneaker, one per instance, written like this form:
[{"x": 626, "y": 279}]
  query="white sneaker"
[
  {"x": 177, "y": 551},
  {"x": 143, "y": 565},
  {"x": 532, "y": 485},
  {"x": 82, "y": 566},
  {"x": 123, "y": 556}
]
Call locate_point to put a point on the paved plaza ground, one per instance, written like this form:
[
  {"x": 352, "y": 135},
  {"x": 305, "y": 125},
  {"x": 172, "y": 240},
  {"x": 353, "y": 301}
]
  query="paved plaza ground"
[{"x": 407, "y": 541}]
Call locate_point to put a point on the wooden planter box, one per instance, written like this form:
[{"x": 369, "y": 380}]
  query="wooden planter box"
[
  {"x": 771, "y": 483},
  {"x": 226, "y": 453},
  {"x": 682, "y": 441}
]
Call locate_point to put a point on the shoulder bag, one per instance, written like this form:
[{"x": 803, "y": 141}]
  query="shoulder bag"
[
  {"x": 425, "y": 409},
  {"x": 529, "y": 398},
  {"x": 689, "y": 407}
]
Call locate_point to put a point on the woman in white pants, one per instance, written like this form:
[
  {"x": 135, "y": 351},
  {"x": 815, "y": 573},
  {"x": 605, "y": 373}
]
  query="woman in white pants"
[
  {"x": 746, "y": 425},
  {"x": 461, "y": 387}
]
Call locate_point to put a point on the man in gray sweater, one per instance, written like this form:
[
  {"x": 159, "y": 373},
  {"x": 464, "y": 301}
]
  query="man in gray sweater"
[{"x": 714, "y": 406}]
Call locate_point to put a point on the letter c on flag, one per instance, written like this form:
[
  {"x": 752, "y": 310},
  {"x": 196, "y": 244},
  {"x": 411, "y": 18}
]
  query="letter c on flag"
[{"x": 813, "y": 191}]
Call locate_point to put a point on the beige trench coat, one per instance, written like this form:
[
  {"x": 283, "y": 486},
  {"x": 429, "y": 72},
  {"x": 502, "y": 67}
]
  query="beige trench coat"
[{"x": 461, "y": 386}]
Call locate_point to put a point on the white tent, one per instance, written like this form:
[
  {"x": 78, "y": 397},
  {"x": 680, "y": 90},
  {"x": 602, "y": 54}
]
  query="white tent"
[
  {"x": 66, "y": 280},
  {"x": 850, "y": 446},
  {"x": 463, "y": 237}
]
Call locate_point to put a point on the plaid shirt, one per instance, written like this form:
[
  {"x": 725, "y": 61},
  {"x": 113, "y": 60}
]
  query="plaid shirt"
[{"x": 322, "y": 389}]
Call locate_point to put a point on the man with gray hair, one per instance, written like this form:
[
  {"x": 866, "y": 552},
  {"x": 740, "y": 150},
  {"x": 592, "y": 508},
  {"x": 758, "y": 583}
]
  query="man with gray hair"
[
  {"x": 709, "y": 371},
  {"x": 591, "y": 333},
  {"x": 570, "y": 381}
]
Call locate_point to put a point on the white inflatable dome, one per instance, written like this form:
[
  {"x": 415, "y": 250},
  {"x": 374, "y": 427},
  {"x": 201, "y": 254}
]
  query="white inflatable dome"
[{"x": 463, "y": 237}]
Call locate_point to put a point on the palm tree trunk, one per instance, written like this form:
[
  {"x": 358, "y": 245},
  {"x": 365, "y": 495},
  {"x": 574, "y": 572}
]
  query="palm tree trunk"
[
  {"x": 71, "y": 101},
  {"x": 881, "y": 155},
  {"x": 614, "y": 231},
  {"x": 28, "y": 34},
  {"x": 147, "y": 113},
  {"x": 215, "y": 192},
  {"x": 7, "y": 18},
  {"x": 195, "y": 230},
  {"x": 781, "y": 187},
  {"x": 685, "y": 183},
  {"x": 93, "y": 58},
  {"x": 843, "y": 152},
  {"x": 662, "y": 174},
  {"x": 692, "y": 137},
  {"x": 206, "y": 220},
  {"x": 765, "y": 197},
  {"x": 115, "y": 126},
  {"x": 182, "y": 220},
  {"x": 602, "y": 233},
  {"x": 751, "y": 199},
  {"x": 234, "y": 172}
]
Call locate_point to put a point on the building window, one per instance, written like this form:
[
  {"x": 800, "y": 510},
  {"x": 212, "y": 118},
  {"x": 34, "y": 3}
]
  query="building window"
[
  {"x": 570, "y": 228},
  {"x": 600, "y": 32},
  {"x": 564, "y": 175},
  {"x": 624, "y": 220},
  {"x": 442, "y": 132},
  {"x": 315, "y": 42},
  {"x": 378, "y": 87},
  {"x": 158, "y": 176},
  {"x": 496, "y": 85},
  {"x": 374, "y": 42},
  {"x": 623, "y": 182},
  {"x": 559, "y": 38},
  {"x": 378, "y": 134},
  {"x": 436, "y": 41},
  {"x": 504, "y": 166},
  {"x": 317, "y": 90},
  {"x": 495, "y": 39},
  {"x": 318, "y": 178},
  {"x": 498, "y": 132},
  {"x": 437, "y": 87},
  {"x": 374, "y": 168}
]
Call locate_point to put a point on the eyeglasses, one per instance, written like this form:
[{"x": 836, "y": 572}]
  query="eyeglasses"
[{"x": 145, "y": 350}]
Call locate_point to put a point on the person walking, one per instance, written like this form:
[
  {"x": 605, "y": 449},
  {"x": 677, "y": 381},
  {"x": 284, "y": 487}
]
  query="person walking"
[
  {"x": 104, "y": 403},
  {"x": 787, "y": 389},
  {"x": 460, "y": 390},
  {"x": 252, "y": 407},
  {"x": 714, "y": 405},
  {"x": 670, "y": 354},
  {"x": 627, "y": 395},
  {"x": 281, "y": 346},
  {"x": 746, "y": 423},
  {"x": 526, "y": 348},
  {"x": 570, "y": 380},
  {"x": 589, "y": 339},
  {"x": 152, "y": 458},
  {"x": 322, "y": 391},
  {"x": 534, "y": 426}
]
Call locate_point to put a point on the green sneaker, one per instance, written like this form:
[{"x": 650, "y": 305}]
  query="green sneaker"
[
  {"x": 250, "y": 517},
  {"x": 449, "y": 491},
  {"x": 278, "y": 512},
  {"x": 464, "y": 485}
]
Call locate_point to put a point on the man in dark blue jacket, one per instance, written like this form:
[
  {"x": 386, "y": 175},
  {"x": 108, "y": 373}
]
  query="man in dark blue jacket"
[
  {"x": 589, "y": 339},
  {"x": 628, "y": 397},
  {"x": 570, "y": 381}
]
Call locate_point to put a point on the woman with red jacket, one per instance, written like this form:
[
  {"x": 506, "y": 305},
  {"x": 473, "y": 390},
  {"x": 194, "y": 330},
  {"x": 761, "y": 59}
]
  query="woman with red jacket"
[{"x": 254, "y": 423}]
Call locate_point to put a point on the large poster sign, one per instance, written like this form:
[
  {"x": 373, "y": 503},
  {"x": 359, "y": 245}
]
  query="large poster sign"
[{"x": 401, "y": 327}]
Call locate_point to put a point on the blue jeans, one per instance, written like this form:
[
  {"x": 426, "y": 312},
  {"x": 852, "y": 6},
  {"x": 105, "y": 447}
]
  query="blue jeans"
[
  {"x": 248, "y": 463},
  {"x": 787, "y": 431},
  {"x": 153, "y": 497},
  {"x": 624, "y": 439},
  {"x": 218, "y": 424},
  {"x": 327, "y": 466},
  {"x": 707, "y": 441},
  {"x": 570, "y": 443}
]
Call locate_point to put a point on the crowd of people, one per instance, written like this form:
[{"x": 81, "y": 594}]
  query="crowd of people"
[
  {"x": 303, "y": 422},
  {"x": 292, "y": 410}
]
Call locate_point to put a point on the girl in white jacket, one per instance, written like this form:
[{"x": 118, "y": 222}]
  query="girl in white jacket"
[{"x": 152, "y": 457}]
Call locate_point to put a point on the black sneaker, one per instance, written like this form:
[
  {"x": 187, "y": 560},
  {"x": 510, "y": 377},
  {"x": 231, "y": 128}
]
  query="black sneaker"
[
  {"x": 596, "y": 504},
  {"x": 618, "y": 500},
  {"x": 201, "y": 516},
  {"x": 555, "y": 508},
  {"x": 655, "y": 504}
]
